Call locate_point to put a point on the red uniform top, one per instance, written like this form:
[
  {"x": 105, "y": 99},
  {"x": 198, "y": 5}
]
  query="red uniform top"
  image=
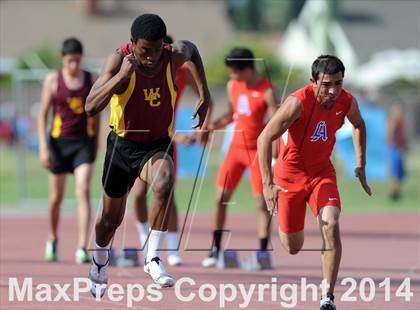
[
  {"x": 70, "y": 119},
  {"x": 307, "y": 145},
  {"x": 144, "y": 112},
  {"x": 248, "y": 105}
]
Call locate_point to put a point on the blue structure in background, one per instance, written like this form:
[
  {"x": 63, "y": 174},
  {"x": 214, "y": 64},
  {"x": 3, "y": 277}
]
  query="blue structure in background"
[
  {"x": 376, "y": 146},
  {"x": 188, "y": 157}
]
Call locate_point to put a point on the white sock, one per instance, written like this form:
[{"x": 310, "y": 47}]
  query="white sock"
[
  {"x": 143, "y": 231},
  {"x": 172, "y": 242},
  {"x": 154, "y": 244},
  {"x": 100, "y": 254}
]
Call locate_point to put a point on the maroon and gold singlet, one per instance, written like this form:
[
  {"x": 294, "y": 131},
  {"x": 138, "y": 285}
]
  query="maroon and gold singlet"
[
  {"x": 70, "y": 119},
  {"x": 144, "y": 112}
]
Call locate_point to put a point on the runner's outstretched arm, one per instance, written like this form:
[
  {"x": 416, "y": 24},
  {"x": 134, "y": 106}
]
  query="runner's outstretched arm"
[
  {"x": 186, "y": 51},
  {"x": 284, "y": 117},
  {"x": 359, "y": 142}
]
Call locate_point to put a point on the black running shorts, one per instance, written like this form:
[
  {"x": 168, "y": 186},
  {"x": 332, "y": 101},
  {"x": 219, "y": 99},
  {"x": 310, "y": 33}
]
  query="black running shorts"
[
  {"x": 66, "y": 154},
  {"x": 124, "y": 161}
]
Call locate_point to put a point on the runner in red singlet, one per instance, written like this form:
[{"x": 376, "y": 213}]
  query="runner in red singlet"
[
  {"x": 305, "y": 126},
  {"x": 251, "y": 99}
]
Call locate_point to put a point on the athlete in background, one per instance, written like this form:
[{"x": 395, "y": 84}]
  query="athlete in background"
[
  {"x": 251, "y": 99},
  {"x": 397, "y": 147},
  {"x": 71, "y": 143}
]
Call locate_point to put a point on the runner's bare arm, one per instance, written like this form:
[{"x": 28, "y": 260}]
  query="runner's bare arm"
[
  {"x": 271, "y": 103},
  {"x": 226, "y": 118},
  {"x": 191, "y": 83},
  {"x": 200, "y": 136},
  {"x": 186, "y": 51},
  {"x": 97, "y": 119},
  {"x": 359, "y": 142},
  {"x": 48, "y": 89},
  {"x": 116, "y": 70},
  {"x": 284, "y": 117}
]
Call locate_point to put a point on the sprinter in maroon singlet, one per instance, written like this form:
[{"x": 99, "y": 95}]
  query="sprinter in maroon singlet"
[
  {"x": 141, "y": 91},
  {"x": 71, "y": 143},
  {"x": 139, "y": 190}
]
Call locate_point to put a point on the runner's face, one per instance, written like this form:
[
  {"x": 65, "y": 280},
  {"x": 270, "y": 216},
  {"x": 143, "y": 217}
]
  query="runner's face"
[
  {"x": 328, "y": 87},
  {"x": 239, "y": 75},
  {"x": 148, "y": 53},
  {"x": 71, "y": 63}
]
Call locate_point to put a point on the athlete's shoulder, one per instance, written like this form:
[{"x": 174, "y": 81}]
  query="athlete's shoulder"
[
  {"x": 234, "y": 85},
  {"x": 346, "y": 94},
  {"x": 346, "y": 98},
  {"x": 125, "y": 49},
  {"x": 51, "y": 81},
  {"x": 265, "y": 83},
  {"x": 303, "y": 93},
  {"x": 52, "y": 76}
]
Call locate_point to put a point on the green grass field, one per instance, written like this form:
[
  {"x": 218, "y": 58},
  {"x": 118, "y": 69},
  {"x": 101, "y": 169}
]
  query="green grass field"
[{"x": 32, "y": 188}]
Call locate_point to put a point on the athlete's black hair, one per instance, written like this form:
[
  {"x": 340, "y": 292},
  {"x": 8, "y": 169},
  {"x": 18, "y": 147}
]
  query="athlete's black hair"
[
  {"x": 328, "y": 64},
  {"x": 71, "y": 46},
  {"x": 149, "y": 27},
  {"x": 240, "y": 58}
]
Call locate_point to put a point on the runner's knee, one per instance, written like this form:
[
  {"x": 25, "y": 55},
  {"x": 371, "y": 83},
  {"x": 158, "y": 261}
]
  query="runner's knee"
[
  {"x": 55, "y": 199},
  {"x": 163, "y": 186},
  {"x": 110, "y": 222},
  {"x": 222, "y": 199},
  {"x": 82, "y": 191},
  {"x": 292, "y": 244},
  {"x": 330, "y": 226},
  {"x": 293, "y": 250}
]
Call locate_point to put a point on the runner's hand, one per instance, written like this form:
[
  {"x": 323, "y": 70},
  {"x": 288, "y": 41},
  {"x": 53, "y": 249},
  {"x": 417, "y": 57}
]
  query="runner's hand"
[
  {"x": 184, "y": 139},
  {"x": 270, "y": 192},
  {"x": 128, "y": 65},
  {"x": 44, "y": 157},
  {"x": 360, "y": 174},
  {"x": 202, "y": 136},
  {"x": 201, "y": 109}
]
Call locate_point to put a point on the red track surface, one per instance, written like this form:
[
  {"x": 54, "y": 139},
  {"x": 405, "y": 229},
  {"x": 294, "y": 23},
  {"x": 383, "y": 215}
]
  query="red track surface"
[{"x": 374, "y": 246}]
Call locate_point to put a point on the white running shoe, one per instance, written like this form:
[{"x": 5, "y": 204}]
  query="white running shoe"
[
  {"x": 327, "y": 303},
  {"x": 98, "y": 278},
  {"x": 174, "y": 259},
  {"x": 210, "y": 261},
  {"x": 81, "y": 256},
  {"x": 156, "y": 270}
]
